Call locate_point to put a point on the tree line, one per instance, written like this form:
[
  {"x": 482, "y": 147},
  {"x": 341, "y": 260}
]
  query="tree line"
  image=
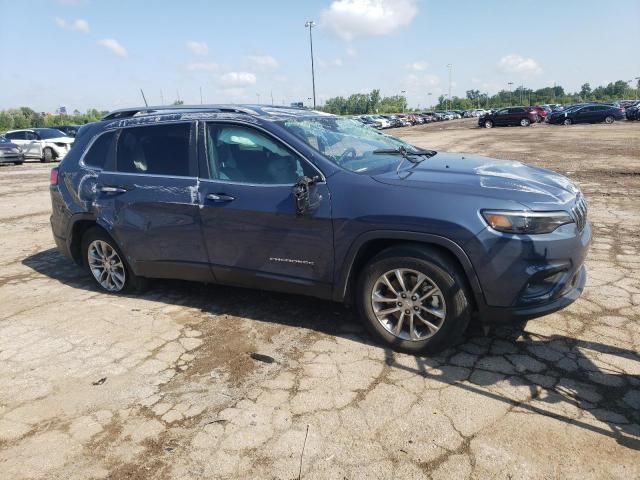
[
  {"x": 371, "y": 103},
  {"x": 25, "y": 117}
]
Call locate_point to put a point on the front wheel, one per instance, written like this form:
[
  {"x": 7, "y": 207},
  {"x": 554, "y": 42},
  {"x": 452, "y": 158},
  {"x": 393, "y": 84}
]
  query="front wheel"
[
  {"x": 47, "y": 155},
  {"x": 413, "y": 299},
  {"x": 488, "y": 124},
  {"x": 609, "y": 119},
  {"x": 567, "y": 121},
  {"x": 525, "y": 122}
]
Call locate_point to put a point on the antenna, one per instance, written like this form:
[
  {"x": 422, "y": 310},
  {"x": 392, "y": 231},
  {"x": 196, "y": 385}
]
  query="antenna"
[{"x": 143, "y": 98}]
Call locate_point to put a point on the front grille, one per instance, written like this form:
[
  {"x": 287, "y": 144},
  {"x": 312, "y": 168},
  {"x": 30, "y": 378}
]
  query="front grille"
[{"x": 579, "y": 212}]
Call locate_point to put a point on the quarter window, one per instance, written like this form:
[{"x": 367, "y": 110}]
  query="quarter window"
[
  {"x": 245, "y": 155},
  {"x": 155, "y": 150},
  {"x": 16, "y": 136},
  {"x": 101, "y": 149}
]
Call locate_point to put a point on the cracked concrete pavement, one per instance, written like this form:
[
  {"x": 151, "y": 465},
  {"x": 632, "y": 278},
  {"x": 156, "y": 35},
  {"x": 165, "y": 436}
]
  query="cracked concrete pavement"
[{"x": 166, "y": 385}]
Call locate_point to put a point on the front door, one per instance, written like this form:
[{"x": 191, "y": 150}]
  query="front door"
[
  {"x": 253, "y": 234},
  {"x": 149, "y": 204}
]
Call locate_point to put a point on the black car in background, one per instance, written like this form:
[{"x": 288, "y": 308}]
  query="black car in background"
[
  {"x": 70, "y": 130},
  {"x": 508, "y": 116},
  {"x": 593, "y": 113}
]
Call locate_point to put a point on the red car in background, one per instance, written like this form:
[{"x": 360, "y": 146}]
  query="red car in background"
[{"x": 540, "y": 111}]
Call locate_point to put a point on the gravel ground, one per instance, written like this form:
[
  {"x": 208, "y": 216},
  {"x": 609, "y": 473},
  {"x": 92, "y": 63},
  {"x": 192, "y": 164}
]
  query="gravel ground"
[{"x": 195, "y": 381}]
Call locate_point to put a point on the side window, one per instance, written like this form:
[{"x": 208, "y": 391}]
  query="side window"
[
  {"x": 503, "y": 111},
  {"x": 245, "y": 155},
  {"x": 30, "y": 136},
  {"x": 155, "y": 150},
  {"x": 516, "y": 110},
  {"x": 100, "y": 150},
  {"x": 16, "y": 136}
]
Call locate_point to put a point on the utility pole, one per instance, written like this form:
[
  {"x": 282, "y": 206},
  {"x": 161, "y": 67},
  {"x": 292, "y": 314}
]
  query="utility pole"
[
  {"x": 161, "y": 98},
  {"x": 404, "y": 99},
  {"x": 637, "y": 86},
  {"x": 510, "y": 93},
  {"x": 310, "y": 24},
  {"x": 200, "y": 95},
  {"x": 271, "y": 97},
  {"x": 450, "y": 67},
  {"x": 144, "y": 98}
]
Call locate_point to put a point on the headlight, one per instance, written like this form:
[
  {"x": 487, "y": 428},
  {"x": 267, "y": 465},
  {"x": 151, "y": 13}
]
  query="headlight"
[{"x": 528, "y": 223}]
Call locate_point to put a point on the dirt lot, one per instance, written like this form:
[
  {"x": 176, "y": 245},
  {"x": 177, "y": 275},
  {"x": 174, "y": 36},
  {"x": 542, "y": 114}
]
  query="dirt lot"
[{"x": 167, "y": 385}]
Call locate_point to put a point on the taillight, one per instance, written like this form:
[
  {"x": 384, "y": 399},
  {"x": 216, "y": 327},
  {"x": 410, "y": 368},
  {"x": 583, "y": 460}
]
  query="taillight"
[{"x": 53, "y": 176}]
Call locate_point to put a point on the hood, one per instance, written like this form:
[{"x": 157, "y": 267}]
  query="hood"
[
  {"x": 61, "y": 140},
  {"x": 535, "y": 188}
]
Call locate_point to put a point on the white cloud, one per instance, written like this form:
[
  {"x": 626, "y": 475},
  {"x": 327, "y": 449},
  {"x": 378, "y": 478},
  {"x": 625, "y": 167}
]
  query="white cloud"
[
  {"x": 202, "y": 67},
  {"x": 351, "y": 52},
  {"x": 335, "y": 62},
  {"x": 113, "y": 45},
  {"x": 78, "y": 25},
  {"x": 516, "y": 64},
  {"x": 418, "y": 66},
  {"x": 422, "y": 81},
  {"x": 198, "y": 48},
  {"x": 238, "y": 79},
  {"x": 360, "y": 18},
  {"x": 266, "y": 61}
]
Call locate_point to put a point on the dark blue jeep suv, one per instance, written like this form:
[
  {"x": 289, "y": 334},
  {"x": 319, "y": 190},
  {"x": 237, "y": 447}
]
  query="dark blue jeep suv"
[{"x": 303, "y": 202}]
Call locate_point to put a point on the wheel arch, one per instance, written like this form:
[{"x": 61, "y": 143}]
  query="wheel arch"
[
  {"x": 369, "y": 244},
  {"x": 77, "y": 228}
]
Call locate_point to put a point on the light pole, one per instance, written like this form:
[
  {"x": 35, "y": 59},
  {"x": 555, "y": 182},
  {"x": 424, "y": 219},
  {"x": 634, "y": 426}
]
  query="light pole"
[
  {"x": 310, "y": 24},
  {"x": 404, "y": 99},
  {"x": 637, "y": 86},
  {"x": 429, "y": 95},
  {"x": 510, "y": 93},
  {"x": 450, "y": 67},
  {"x": 258, "y": 95}
]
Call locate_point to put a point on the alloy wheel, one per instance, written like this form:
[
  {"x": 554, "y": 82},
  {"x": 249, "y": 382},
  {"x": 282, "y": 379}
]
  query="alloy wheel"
[
  {"x": 106, "y": 266},
  {"x": 408, "y": 304}
]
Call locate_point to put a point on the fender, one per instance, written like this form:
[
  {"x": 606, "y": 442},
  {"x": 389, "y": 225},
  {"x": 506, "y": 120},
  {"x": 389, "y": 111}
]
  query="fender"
[{"x": 340, "y": 287}]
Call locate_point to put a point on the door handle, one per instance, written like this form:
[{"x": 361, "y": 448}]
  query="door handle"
[
  {"x": 112, "y": 189},
  {"x": 220, "y": 197}
]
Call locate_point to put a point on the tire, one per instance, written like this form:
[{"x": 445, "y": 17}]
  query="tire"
[
  {"x": 450, "y": 303},
  {"x": 96, "y": 245},
  {"x": 525, "y": 122},
  {"x": 609, "y": 119},
  {"x": 47, "y": 155},
  {"x": 567, "y": 121},
  {"x": 488, "y": 124}
]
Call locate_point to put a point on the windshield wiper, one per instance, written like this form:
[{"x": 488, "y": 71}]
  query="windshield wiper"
[{"x": 412, "y": 156}]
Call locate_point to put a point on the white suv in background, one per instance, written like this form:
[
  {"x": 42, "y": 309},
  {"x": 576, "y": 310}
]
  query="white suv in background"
[{"x": 46, "y": 144}]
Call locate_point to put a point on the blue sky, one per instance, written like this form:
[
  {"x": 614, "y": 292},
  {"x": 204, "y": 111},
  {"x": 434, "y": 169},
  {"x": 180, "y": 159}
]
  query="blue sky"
[{"x": 97, "y": 53}]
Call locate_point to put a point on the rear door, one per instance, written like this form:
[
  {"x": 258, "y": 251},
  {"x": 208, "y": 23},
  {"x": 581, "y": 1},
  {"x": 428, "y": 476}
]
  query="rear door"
[
  {"x": 583, "y": 115},
  {"x": 253, "y": 235},
  {"x": 147, "y": 198}
]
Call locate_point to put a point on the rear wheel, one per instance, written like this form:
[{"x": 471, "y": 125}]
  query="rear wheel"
[
  {"x": 525, "y": 122},
  {"x": 567, "y": 121},
  {"x": 488, "y": 124},
  {"x": 106, "y": 263},
  {"x": 609, "y": 119},
  {"x": 47, "y": 155},
  {"x": 413, "y": 299}
]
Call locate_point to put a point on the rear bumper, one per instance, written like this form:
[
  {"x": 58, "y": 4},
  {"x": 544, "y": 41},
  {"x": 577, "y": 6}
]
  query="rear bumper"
[
  {"x": 11, "y": 158},
  {"x": 511, "y": 314}
]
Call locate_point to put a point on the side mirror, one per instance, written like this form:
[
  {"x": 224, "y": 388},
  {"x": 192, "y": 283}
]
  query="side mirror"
[{"x": 301, "y": 193}]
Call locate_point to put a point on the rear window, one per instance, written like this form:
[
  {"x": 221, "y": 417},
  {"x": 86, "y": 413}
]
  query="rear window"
[
  {"x": 155, "y": 150},
  {"x": 100, "y": 150}
]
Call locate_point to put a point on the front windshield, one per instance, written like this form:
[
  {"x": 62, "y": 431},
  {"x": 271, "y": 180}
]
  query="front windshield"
[
  {"x": 349, "y": 144},
  {"x": 50, "y": 133}
]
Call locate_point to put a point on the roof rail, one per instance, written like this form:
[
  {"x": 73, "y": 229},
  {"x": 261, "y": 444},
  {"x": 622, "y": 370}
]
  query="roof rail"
[{"x": 131, "y": 112}]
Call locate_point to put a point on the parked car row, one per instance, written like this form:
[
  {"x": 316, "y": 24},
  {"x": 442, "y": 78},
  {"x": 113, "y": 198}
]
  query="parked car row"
[
  {"x": 407, "y": 119},
  {"x": 559, "y": 114},
  {"x": 45, "y": 144}
]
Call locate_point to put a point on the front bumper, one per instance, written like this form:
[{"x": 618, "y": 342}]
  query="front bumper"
[
  {"x": 496, "y": 315},
  {"x": 11, "y": 158}
]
